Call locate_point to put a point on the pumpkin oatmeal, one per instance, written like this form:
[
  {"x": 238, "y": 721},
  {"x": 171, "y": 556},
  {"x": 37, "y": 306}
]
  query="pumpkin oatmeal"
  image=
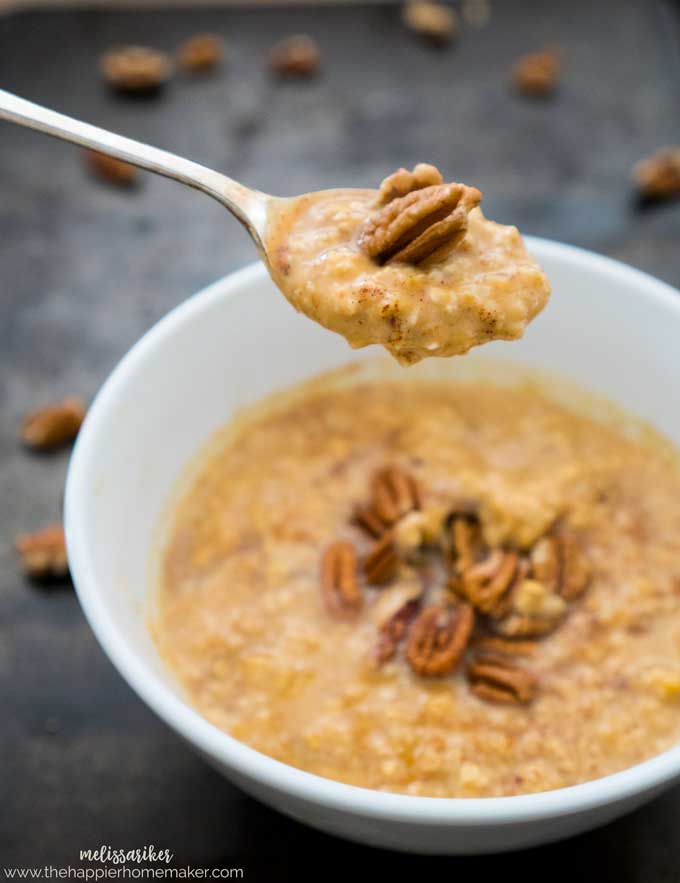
[
  {"x": 453, "y": 589},
  {"x": 414, "y": 266}
]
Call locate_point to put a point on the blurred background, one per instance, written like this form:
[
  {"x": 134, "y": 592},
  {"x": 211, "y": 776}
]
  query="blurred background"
[{"x": 89, "y": 260}]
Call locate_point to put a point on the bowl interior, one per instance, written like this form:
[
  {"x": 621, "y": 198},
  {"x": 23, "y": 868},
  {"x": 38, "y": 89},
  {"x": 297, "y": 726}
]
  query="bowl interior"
[{"x": 609, "y": 328}]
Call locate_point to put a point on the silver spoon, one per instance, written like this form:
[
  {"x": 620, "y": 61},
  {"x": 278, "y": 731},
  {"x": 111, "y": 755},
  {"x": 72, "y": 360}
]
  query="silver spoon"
[{"x": 250, "y": 207}]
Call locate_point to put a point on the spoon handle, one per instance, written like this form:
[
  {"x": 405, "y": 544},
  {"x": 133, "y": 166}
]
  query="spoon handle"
[{"x": 249, "y": 206}]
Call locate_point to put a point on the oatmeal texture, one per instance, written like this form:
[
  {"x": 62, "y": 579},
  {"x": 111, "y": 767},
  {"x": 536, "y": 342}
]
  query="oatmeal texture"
[
  {"x": 478, "y": 284},
  {"x": 247, "y": 622}
]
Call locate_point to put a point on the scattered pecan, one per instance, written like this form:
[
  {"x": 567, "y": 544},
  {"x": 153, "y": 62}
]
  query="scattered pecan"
[
  {"x": 296, "y": 56},
  {"x": 43, "y": 553},
  {"x": 402, "y": 181},
  {"x": 392, "y": 631},
  {"x": 136, "y": 68},
  {"x": 538, "y": 74},
  {"x": 487, "y": 585},
  {"x": 394, "y": 493},
  {"x": 658, "y": 176},
  {"x": 433, "y": 21},
  {"x": 413, "y": 227},
  {"x": 339, "y": 580},
  {"x": 115, "y": 171},
  {"x": 497, "y": 680},
  {"x": 202, "y": 52},
  {"x": 54, "y": 425},
  {"x": 438, "y": 637},
  {"x": 467, "y": 543},
  {"x": 558, "y": 563},
  {"x": 382, "y": 562}
]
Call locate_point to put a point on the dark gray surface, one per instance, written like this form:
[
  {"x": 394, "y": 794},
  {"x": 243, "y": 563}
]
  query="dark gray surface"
[{"x": 86, "y": 269}]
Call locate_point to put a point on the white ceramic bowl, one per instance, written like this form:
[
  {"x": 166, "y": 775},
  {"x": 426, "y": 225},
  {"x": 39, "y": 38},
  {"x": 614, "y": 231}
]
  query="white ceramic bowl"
[{"x": 609, "y": 327}]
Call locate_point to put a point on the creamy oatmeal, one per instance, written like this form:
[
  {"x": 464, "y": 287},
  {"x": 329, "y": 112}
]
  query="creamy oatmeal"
[
  {"x": 428, "y": 587},
  {"x": 414, "y": 266}
]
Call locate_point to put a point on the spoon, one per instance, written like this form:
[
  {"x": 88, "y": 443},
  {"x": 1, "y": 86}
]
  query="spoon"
[
  {"x": 250, "y": 207},
  {"x": 356, "y": 261}
]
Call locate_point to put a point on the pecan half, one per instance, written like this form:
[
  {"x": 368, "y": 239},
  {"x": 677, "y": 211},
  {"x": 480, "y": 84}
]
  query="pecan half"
[
  {"x": 467, "y": 543},
  {"x": 110, "y": 169},
  {"x": 394, "y": 493},
  {"x": 538, "y": 74},
  {"x": 558, "y": 563},
  {"x": 435, "y": 22},
  {"x": 43, "y": 553},
  {"x": 496, "y": 680},
  {"x": 136, "y": 69},
  {"x": 382, "y": 562},
  {"x": 658, "y": 176},
  {"x": 296, "y": 56},
  {"x": 54, "y": 425},
  {"x": 202, "y": 52},
  {"x": 402, "y": 181},
  {"x": 438, "y": 638},
  {"x": 339, "y": 581},
  {"x": 413, "y": 227},
  {"x": 487, "y": 585},
  {"x": 392, "y": 631}
]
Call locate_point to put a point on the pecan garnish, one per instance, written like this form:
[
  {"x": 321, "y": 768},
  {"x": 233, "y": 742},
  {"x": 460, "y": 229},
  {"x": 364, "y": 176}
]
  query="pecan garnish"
[
  {"x": 394, "y": 628},
  {"x": 296, "y": 56},
  {"x": 558, "y": 563},
  {"x": 496, "y": 598},
  {"x": 43, "y": 553},
  {"x": 538, "y": 74},
  {"x": 339, "y": 580},
  {"x": 382, "y": 562},
  {"x": 110, "y": 169},
  {"x": 136, "y": 69},
  {"x": 497, "y": 680},
  {"x": 202, "y": 52},
  {"x": 402, "y": 181},
  {"x": 433, "y": 21},
  {"x": 394, "y": 493},
  {"x": 658, "y": 176},
  {"x": 487, "y": 585},
  {"x": 54, "y": 425},
  {"x": 467, "y": 544},
  {"x": 438, "y": 638},
  {"x": 413, "y": 227}
]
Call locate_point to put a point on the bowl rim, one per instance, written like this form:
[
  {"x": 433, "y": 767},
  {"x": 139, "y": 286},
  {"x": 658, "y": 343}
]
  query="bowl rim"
[{"x": 253, "y": 765}]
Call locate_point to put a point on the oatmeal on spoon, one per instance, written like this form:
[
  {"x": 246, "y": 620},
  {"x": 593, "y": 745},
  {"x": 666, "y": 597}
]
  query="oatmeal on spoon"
[{"x": 414, "y": 266}]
